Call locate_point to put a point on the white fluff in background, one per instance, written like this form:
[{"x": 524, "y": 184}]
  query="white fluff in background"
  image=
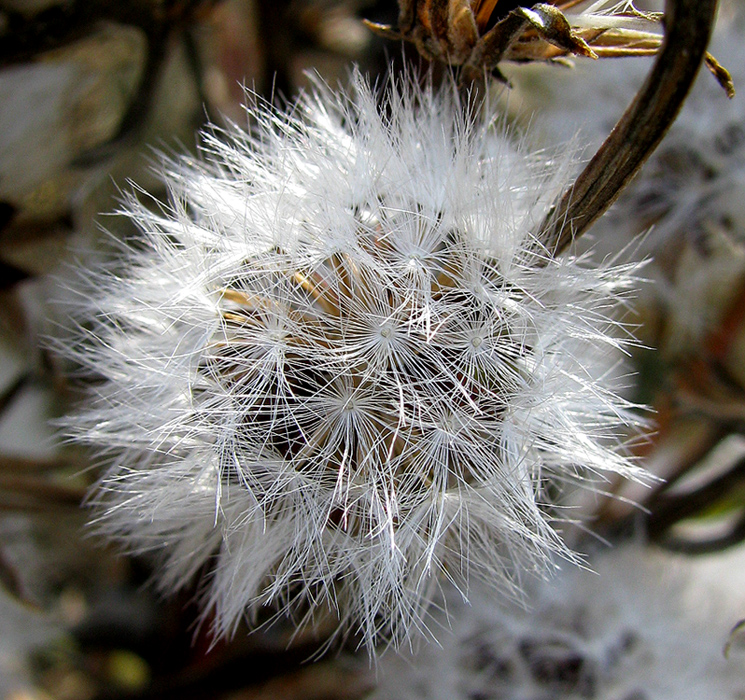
[
  {"x": 643, "y": 625},
  {"x": 339, "y": 367}
]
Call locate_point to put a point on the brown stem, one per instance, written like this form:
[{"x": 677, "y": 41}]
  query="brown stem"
[
  {"x": 733, "y": 536},
  {"x": 671, "y": 509},
  {"x": 29, "y": 491},
  {"x": 642, "y": 126}
]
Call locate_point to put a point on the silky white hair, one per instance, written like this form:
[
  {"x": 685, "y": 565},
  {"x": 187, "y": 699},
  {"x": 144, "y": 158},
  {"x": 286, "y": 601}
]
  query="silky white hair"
[{"x": 339, "y": 366}]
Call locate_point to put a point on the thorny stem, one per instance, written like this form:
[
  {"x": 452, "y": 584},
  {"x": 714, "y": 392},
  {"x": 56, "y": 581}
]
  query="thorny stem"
[{"x": 688, "y": 25}]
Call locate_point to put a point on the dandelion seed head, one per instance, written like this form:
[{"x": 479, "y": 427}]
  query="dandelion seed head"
[{"x": 340, "y": 367}]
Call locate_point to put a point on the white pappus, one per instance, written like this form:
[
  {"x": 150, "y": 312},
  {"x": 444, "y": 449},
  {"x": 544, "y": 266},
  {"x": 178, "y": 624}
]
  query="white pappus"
[{"x": 339, "y": 365}]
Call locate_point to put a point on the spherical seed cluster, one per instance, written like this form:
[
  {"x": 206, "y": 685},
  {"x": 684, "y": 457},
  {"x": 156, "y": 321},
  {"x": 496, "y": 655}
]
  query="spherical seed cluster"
[{"x": 339, "y": 365}]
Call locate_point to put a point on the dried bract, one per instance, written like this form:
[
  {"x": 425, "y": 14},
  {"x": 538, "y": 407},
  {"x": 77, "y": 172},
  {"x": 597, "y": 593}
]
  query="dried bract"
[{"x": 478, "y": 35}]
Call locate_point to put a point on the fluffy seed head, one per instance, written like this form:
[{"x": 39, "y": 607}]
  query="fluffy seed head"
[{"x": 339, "y": 366}]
